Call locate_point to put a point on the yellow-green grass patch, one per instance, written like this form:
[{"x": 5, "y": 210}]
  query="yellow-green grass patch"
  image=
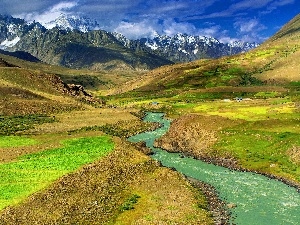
[
  {"x": 15, "y": 141},
  {"x": 250, "y": 111},
  {"x": 33, "y": 172},
  {"x": 262, "y": 151}
]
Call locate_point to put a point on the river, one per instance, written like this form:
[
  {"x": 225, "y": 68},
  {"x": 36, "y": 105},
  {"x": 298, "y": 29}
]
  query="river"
[{"x": 259, "y": 200}]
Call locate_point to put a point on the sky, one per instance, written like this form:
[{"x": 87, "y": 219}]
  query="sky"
[{"x": 226, "y": 20}]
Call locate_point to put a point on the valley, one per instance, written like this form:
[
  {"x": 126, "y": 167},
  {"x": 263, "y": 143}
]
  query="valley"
[{"x": 65, "y": 157}]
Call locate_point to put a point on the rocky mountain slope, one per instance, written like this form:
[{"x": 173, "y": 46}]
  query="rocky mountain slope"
[
  {"x": 72, "y": 48},
  {"x": 78, "y": 43},
  {"x": 94, "y": 50},
  {"x": 186, "y": 48}
]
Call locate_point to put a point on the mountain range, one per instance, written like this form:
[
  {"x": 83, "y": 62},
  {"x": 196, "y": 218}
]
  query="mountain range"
[
  {"x": 186, "y": 48},
  {"x": 77, "y": 42},
  {"x": 274, "y": 62}
]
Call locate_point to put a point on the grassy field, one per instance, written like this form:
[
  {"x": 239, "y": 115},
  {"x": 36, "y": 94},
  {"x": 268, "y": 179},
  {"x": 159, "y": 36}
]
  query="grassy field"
[
  {"x": 33, "y": 172},
  {"x": 261, "y": 134},
  {"x": 15, "y": 141},
  {"x": 65, "y": 172},
  {"x": 262, "y": 131}
]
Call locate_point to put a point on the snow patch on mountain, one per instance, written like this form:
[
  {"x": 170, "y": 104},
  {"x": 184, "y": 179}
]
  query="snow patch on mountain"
[
  {"x": 65, "y": 22},
  {"x": 184, "y": 48},
  {"x": 9, "y": 43},
  {"x": 152, "y": 45}
]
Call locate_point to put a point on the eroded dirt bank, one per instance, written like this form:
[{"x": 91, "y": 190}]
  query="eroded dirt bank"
[{"x": 194, "y": 135}]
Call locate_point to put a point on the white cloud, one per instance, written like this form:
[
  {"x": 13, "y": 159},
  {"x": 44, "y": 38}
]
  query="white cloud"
[
  {"x": 62, "y": 6},
  {"x": 249, "y": 4},
  {"x": 249, "y": 30},
  {"x": 251, "y": 25},
  {"x": 213, "y": 31},
  {"x": 136, "y": 30},
  {"x": 150, "y": 28},
  {"x": 170, "y": 28},
  {"x": 246, "y": 26},
  {"x": 49, "y": 14},
  {"x": 278, "y": 3}
]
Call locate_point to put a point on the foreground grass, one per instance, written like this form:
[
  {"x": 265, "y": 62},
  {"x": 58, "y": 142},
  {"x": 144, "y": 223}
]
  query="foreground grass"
[
  {"x": 124, "y": 187},
  {"x": 33, "y": 172},
  {"x": 119, "y": 188},
  {"x": 15, "y": 141}
]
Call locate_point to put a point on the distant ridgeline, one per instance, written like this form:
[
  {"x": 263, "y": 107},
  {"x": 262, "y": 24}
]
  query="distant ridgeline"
[{"x": 78, "y": 43}]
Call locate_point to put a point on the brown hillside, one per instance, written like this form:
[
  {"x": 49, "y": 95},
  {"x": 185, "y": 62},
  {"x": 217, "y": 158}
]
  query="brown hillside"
[
  {"x": 4, "y": 63},
  {"x": 285, "y": 45},
  {"x": 32, "y": 91},
  {"x": 291, "y": 29}
]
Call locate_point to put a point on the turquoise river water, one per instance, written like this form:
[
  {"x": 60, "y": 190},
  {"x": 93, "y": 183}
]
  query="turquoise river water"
[{"x": 259, "y": 200}]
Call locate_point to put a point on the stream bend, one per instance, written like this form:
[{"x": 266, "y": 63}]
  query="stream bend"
[{"x": 258, "y": 199}]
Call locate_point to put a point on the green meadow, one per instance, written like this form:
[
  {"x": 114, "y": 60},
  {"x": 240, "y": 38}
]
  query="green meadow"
[
  {"x": 33, "y": 172},
  {"x": 15, "y": 141},
  {"x": 266, "y": 138}
]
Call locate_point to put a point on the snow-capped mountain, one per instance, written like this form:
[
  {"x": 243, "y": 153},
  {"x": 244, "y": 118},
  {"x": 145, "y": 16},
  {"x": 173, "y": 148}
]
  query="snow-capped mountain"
[
  {"x": 10, "y": 31},
  {"x": 184, "y": 48},
  {"x": 179, "y": 48},
  {"x": 70, "y": 43},
  {"x": 13, "y": 30},
  {"x": 77, "y": 42},
  {"x": 65, "y": 22}
]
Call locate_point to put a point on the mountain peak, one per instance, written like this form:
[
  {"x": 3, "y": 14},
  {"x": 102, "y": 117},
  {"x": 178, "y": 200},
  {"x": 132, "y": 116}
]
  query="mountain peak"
[{"x": 72, "y": 22}]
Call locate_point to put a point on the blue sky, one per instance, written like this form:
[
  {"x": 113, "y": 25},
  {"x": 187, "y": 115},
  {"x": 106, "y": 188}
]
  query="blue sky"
[{"x": 226, "y": 20}]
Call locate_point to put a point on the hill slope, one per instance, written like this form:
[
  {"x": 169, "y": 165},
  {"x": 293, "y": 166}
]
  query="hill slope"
[
  {"x": 21, "y": 55},
  {"x": 290, "y": 30},
  {"x": 33, "y": 91},
  {"x": 285, "y": 45},
  {"x": 274, "y": 62}
]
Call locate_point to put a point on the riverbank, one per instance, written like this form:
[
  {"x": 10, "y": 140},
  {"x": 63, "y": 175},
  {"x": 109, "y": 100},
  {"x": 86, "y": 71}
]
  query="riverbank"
[
  {"x": 250, "y": 198},
  {"x": 198, "y": 136},
  {"x": 216, "y": 206}
]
